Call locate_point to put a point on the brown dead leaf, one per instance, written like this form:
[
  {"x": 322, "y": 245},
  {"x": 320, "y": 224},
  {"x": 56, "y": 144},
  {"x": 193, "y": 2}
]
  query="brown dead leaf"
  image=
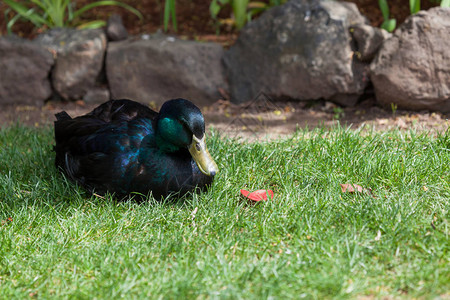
[
  {"x": 8, "y": 220},
  {"x": 351, "y": 188},
  {"x": 401, "y": 123},
  {"x": 355, "y": 188},
  {"x": 225, "y": 95},
  {"x": 80, "y": 103},
  {"x": 378, "y": 237}
]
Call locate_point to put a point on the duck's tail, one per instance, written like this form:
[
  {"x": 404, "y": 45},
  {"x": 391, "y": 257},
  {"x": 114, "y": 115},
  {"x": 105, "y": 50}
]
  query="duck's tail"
[{"x": 62, "y": 116}]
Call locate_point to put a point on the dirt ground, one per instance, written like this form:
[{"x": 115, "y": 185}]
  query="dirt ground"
[{"x": 262, "y": 119}]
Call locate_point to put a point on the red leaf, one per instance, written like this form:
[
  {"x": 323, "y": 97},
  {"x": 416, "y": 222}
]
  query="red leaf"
[{"x": 257, "y": 195}]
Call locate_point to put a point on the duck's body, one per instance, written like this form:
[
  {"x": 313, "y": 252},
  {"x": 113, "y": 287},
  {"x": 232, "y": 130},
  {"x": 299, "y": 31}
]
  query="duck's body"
[{"x": 123, "y": 147}]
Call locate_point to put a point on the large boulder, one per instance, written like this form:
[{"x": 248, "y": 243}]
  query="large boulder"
[
  {"x": 79, "y": 59},
  {"x": 158, "y": 68},
  {"x": 301, "y": 50},
  {"x": 412, "y": 69},
  {"x": 24, "y": 72}
]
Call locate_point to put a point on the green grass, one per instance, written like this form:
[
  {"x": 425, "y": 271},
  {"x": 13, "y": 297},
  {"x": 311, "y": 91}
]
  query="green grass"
[{"x": 311, "y": 241}]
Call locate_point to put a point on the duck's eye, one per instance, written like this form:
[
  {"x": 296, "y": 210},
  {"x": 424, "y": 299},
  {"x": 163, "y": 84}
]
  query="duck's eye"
[{"x": 198, "y": 147}]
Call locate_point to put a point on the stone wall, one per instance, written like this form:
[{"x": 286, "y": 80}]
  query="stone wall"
[{"x": 302, "y": 50}]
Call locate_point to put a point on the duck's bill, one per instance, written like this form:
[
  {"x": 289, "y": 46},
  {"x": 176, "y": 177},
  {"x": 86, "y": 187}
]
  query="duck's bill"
[{"x": 200, "y": 154}]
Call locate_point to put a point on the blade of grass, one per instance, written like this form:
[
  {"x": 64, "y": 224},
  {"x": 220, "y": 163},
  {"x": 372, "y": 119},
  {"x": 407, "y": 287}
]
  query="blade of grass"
[
  {"x": 26, "y": 13},
  {"x": 106, "y": 3},
  {"x": 170, "y": 12},
  {"x": 414, "y": 6},
  {"x": 384, "y": 8},
  {"x": 240, "y": 12},
  {"x": 445, "y": 3},
  {"x": 92, "y": 24},
  {"x": 11, "y": 22}
]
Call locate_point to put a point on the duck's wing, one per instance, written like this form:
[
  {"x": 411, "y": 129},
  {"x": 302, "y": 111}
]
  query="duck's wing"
[
  {"x": 95, "y": 149},
  {"x": 123, "y": 110},
  {"x": 79, "y": 145}
]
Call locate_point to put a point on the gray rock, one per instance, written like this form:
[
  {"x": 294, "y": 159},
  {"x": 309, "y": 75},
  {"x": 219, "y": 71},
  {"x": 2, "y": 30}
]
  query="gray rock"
[
  {"x": 79, "y": 59},
  {"x": 412, "y": 68},
  {"x": 24, "y": 72},
  {"x": 115, "y": 31},
  {"x": 97, "y": 95},
  {"x": 300, "y": 50},
  {"x": 368, "y": 40},
  {"x": 159, "y": 68}
]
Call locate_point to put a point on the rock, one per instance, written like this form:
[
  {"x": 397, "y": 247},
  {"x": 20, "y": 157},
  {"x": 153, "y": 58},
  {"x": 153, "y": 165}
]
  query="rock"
[
  {"x": 159, "y": 68},
  {"x": 368, "y": 40},
  {"x": 115, "y": 31},
  {"x": 412, "y": 68},
  {"x": 24, "y": 72},
  {"x": 97, "y": 95},
  {"x": 79, "y": 59},
  {"x": 300, "y": 50}
]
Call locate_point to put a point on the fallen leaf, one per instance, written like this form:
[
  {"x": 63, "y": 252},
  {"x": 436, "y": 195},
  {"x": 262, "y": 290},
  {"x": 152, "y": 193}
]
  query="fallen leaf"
[
  {"x": 351, "y": 188},
  {"x": 9, "y": 219},
  {"x": 277, "y": 112},
  {"x": 355, "y": 188},
  {"x": 97, "y": 195},
  {"x": 257, "y": 195},
  {"x": 432, "y": 225},
  {"x": 378, "y": 237},
  {"x": 225, "y": 95},
  {"x": 194, "y": 213},
  {"x": 401, "y": 123}
]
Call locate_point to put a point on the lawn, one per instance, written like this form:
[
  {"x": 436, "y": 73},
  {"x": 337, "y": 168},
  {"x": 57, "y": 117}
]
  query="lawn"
[{"x": 311, "y": 241}]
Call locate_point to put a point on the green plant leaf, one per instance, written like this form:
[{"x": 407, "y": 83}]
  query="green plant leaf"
[
  {"x": 92, "y": 24},
  {"x": 55, "y": 11},
  {"x": 70, "y": 8},
  {"x": 106, "y": 3},
  {"x": 170, "y": 12},
  {"x": 414, "y": 6},
  {"x": 389, "y": 25},
  {"x": 240, "y": 12},
  {"x": 445, "y": 3},
  {"x": 384, "y": 7},
  {"x": 27, "y": 13},
  {"x": 11, "y": 22},
  {"x": 214, "y": 8},
  {"x": 174, "y": 16},
  {"x": 58, "y": 13}
]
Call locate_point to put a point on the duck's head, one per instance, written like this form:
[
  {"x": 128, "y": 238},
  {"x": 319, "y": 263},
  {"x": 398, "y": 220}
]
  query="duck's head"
[{"x": 180, "y": 124}]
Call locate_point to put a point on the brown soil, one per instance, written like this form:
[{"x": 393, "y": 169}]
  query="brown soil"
[{"x": 254, "y": 121}]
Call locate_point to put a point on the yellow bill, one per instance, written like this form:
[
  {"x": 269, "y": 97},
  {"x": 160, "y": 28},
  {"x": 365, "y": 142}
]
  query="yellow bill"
[{"x": 200, "y": 154}]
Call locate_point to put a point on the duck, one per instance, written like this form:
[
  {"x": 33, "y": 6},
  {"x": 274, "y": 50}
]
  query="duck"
[{"x": 123, "y": 147}]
